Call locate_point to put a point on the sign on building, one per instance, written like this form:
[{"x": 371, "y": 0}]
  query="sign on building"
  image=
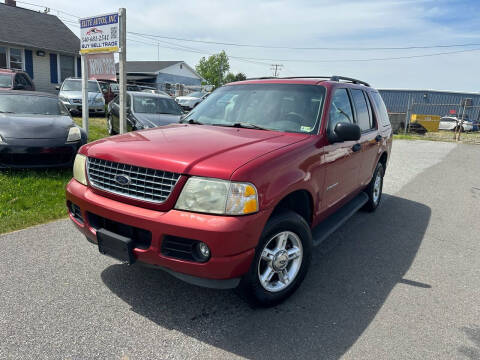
[
  {"x": 101, "y": 66},
  {"x": 99, "y": 34}
]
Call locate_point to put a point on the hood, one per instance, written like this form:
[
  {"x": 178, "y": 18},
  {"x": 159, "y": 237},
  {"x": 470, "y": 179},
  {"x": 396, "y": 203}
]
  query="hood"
[
  {"x": 154, "y": 120},
  {"x": 78, "y": 95},
  {"x": 201, "y": 150},
  {"x": 26, "y": 126}
]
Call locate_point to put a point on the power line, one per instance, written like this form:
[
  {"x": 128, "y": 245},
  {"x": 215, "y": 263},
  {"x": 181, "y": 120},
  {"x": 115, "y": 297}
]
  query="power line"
[
  {"x": 276, "y": 47},
  {"x": 258, "y": 60},
  {"x": 310, "y": 48}
]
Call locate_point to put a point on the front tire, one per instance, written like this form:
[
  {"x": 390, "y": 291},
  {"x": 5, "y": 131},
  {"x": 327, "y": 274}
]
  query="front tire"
[
  {"x": 281, "y": 261},
  {"x": 374, "y": 189}
]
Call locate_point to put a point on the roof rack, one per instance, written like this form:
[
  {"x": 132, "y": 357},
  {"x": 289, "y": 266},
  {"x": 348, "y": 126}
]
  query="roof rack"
[
  {"x": 336, "y": 78},
  {"x": 352, "y": 80}
]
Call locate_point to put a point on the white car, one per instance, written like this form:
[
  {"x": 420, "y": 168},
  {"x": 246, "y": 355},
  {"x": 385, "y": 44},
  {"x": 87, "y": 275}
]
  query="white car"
[
  {"x": 451, "y": 122},
  {"x": 191, "y": 100}
]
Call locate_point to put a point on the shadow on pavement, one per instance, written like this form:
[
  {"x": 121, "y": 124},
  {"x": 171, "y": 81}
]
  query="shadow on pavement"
[{"x": 350, "y": 277}]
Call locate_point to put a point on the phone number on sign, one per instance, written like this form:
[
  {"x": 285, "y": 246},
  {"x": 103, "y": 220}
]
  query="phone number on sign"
[{"x": 96, "y": 38}]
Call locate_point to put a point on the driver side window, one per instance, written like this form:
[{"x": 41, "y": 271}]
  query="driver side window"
[{"x": 340, "y": 109}]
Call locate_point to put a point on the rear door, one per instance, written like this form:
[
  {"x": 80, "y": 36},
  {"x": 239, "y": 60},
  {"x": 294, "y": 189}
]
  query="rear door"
[
  {"x": 342, "y": 159},
  {"x": 370, "y": 140}
]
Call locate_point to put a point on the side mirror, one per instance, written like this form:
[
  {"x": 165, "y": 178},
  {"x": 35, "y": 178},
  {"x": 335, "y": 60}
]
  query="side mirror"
[{"x": 346, "y": 132}]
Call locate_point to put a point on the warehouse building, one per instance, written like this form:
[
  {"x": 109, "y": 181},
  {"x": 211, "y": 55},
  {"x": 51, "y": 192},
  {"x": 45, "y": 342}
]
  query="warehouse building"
[{"x": 429, "y": 102}]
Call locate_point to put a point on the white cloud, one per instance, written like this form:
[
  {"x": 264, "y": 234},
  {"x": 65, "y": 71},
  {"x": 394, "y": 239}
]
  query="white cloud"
[{"x": 306, "y": 23}]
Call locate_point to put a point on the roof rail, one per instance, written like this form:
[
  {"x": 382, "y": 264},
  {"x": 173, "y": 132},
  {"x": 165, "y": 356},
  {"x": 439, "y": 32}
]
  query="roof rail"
[
  {"x": 355, "y": 81},
  {"x": 336, "y": 78}
]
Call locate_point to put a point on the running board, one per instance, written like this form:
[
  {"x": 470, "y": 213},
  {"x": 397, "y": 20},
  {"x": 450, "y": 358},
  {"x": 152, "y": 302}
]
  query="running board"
[{"x": 334, "y": 221}]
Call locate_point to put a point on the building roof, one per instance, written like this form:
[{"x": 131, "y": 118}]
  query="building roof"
[
  {"x": 148, "y": 66},
  {"x": 153, "y": 67},
  {"x": 37, "y": 30}
]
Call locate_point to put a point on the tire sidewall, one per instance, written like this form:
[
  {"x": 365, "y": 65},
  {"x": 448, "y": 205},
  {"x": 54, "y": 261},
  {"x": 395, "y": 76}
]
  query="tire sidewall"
[
  {"x": 253, "y": 290},
  {"x": 378, "y": 169}
]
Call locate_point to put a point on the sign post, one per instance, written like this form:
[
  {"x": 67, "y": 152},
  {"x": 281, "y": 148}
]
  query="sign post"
[
  {"x": 99, "y": 34},
  {"x": 122, "y": 74},
  {"x": 84, "y": 94}
]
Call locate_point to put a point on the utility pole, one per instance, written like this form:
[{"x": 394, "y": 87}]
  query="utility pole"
[
  {"x": 276, "y": 69},
  {"x": 122, "y": 70}
]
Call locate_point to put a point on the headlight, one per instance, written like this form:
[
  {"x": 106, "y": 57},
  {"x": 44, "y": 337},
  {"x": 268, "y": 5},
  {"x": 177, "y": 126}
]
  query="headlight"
[
  {"x": 74, "y": 134},
  {"x": 79, "y": 169},
  {"x": 2, "y": 140},
  {"x": 218, "y": 197}
]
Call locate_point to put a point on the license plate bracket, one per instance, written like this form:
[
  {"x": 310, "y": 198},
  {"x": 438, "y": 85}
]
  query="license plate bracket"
[{"x": 116, "y": 246}]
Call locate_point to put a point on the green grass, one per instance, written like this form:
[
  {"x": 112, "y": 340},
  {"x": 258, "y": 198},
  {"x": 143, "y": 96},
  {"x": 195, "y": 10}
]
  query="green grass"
[
  {"x": 442, "y": 135},
  {"x": 30, "y": 197}
]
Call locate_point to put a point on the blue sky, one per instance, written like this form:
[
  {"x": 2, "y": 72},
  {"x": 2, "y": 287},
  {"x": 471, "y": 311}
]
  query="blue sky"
[{"x": 309, "y": 23}]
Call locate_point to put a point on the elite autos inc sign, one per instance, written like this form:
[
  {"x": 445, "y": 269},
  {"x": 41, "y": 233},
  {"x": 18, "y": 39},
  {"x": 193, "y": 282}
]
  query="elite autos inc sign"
[{"x": 99, "y": 34}]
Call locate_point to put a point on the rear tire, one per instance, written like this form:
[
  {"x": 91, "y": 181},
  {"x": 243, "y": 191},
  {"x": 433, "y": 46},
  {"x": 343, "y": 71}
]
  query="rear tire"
[
  {"x": 281, "y": 261},
  {"x": 374, "y": 189}
]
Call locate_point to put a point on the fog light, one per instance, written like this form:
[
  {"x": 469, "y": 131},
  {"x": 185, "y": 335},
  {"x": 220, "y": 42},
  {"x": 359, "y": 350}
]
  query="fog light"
[{"x": 203, "y": 251}]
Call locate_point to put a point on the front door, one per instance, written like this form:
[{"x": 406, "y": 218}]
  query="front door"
[{"x": 342, "y": 159}]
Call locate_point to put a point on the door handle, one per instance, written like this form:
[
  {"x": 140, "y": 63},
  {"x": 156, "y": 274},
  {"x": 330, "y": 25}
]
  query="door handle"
[
  {"x": 356, "y": 147},
  {"x": 378, "y": 138}
]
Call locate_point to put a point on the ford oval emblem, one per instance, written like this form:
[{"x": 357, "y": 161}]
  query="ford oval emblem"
[{"x": 122, "y": 179}]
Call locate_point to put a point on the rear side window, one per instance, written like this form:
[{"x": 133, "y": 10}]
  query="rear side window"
[
  {"x": 340, "y": 109},
  {"x": 364, "y": 118},
  {"x": 381, "y": 109}
]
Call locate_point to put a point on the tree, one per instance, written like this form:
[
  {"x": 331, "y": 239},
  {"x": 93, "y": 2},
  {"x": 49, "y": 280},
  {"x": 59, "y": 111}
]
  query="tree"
[
  {"x": 214, "y": 68},
  {"x": 230, "y": 77}
]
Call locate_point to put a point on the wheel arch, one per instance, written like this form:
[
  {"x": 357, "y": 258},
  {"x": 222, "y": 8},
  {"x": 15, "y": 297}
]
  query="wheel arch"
[{"x": 298, "y": 201}]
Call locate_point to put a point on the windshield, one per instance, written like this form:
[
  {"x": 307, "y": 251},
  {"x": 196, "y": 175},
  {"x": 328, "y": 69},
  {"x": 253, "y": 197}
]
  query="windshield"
[
  {"x": 5, "y": 81},
  {"x": 282, "y": 107},
  {"x": 76, "y": 85},
  {"x": 30, "y": 104},
  {"x": 155, "y": 105},
  {"x": 196, "y": 94}
]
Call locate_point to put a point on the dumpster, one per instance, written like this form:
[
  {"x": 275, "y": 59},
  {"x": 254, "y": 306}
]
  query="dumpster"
[{"x": 422, "y": 123}]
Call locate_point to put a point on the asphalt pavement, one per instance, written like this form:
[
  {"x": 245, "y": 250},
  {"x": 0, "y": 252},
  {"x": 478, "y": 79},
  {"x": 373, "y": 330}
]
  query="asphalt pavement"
[{"x": 401, "y": 283}]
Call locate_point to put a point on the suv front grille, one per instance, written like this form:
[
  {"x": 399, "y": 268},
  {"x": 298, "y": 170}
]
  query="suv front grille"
[{"x": 138, "y": 183}]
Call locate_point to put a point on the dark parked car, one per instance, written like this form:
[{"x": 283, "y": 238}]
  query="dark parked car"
[
  {"x": 238, "y": 193},
  {"x": 36, "y": 130},
  {"x": 15, "y": 80},
  {"x": 144, "y": 111}
]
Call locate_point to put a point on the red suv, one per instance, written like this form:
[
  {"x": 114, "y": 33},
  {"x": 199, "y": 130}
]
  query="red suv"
[
  {"x": 15, "y": 80},
  {"x": 238, "y": 193}
]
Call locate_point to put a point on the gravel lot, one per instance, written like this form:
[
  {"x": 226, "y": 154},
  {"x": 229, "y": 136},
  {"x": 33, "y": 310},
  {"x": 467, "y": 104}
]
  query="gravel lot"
[{"x": 402, "y": 283}]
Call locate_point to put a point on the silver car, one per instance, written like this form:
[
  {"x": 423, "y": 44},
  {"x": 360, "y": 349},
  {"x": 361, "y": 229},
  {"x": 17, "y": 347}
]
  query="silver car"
[
  {"x": 451, "y": 122},
  {"x": 71, "y": 96}
]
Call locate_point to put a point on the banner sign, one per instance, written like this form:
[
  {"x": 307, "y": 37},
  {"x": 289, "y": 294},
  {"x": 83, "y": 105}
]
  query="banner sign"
[
  {"x": 99, "y": 34},
  {"x": 101, "y": 66}
]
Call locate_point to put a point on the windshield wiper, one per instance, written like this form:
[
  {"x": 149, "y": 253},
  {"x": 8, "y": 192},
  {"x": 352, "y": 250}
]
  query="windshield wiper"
[
  {"x": 191, "y": 121},
  {"x": 247, "y": 125}
]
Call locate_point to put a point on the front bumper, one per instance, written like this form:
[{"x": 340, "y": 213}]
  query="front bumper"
[
  {"x": 31, "y": 153},
  {"x": 232, "y": 240},
  {"x": 91, "y": 107}
]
